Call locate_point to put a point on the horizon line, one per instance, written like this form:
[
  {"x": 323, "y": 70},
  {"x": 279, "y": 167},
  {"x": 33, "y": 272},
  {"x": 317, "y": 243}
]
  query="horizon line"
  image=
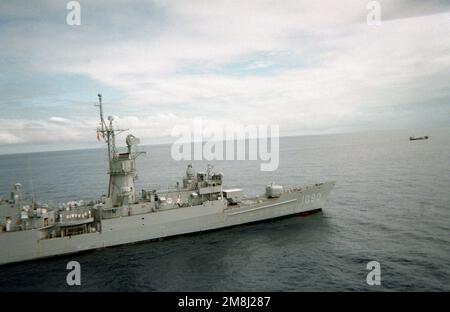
[{"x": 281, "y": 136}]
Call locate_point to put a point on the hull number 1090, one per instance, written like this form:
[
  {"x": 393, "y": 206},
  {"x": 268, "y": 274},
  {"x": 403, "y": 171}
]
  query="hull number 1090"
[{"x": 309, "y": 198}]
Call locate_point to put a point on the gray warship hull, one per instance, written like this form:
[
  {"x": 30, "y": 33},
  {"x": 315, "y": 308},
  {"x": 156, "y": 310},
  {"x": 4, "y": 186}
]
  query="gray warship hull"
[
  {"x": 32, "y": 230},
  {"x": 32, "y": 244}
]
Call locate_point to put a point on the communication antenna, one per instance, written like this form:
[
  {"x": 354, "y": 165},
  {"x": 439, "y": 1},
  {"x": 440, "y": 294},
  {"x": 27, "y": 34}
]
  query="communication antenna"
[
  {"x": 102, "y": 120},
  {"x": 107, "y": 131}
]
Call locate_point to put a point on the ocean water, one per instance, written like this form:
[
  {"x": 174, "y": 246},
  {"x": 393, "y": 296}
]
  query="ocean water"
[{"x": 391, "y": 204}]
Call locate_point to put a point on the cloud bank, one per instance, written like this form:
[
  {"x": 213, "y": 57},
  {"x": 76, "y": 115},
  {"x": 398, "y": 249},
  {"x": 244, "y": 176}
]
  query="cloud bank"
[{"x": 311, "y": 67}]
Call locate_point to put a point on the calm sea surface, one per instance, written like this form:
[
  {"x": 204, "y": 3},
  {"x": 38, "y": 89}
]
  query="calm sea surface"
[{"x": 391, "y": 204}]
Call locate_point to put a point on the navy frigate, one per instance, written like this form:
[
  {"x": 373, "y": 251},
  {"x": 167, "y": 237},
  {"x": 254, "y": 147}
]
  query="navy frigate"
[{"x": 30, "y": 230}]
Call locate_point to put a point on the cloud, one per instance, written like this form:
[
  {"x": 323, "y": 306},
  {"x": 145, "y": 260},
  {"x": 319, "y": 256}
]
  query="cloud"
[
  {"x": 60, "y": 130},
  {"x": 42, "y": 131},
  {"x": 60, "y": 120},
  {"x": 311, "y": 67}
]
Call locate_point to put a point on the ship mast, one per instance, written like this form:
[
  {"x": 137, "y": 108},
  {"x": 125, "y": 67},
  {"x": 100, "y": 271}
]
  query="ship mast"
[{"x": 108, "y": 134}]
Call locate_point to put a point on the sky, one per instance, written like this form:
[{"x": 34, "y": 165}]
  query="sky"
[{"x": 311, "y": 67}]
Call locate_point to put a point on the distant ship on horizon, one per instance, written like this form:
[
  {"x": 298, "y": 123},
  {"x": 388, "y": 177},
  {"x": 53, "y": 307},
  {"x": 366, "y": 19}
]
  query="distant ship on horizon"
[{"x": 413, "y": 138}]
